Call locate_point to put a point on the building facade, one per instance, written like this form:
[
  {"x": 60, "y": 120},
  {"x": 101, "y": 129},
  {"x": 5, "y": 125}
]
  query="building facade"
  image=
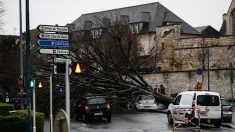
[{"x": 181, "y": 48}]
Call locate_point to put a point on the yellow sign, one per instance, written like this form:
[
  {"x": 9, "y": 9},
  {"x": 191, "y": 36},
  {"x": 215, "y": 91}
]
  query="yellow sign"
[{"x": 198, "y": 86}]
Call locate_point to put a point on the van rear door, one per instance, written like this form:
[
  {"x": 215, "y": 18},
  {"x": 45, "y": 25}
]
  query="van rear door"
[{"x": 209, "y": 105}]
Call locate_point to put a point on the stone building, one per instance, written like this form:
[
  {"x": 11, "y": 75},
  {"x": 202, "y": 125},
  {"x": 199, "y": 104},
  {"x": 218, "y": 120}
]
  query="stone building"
[{"x": 182, "y": 48}]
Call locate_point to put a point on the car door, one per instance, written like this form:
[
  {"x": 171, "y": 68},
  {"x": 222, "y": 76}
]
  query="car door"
[{"x": 175, "y": 105}]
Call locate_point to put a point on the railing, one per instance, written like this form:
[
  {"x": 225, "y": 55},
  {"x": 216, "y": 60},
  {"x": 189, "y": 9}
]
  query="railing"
[{"x": 185, "y": 118}]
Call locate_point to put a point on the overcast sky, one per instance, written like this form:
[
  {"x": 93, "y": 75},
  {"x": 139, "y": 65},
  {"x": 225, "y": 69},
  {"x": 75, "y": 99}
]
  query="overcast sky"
[{"x": 51, "y": 12}]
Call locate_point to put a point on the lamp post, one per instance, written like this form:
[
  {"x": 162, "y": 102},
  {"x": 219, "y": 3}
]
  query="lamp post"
[{"x": 28, "y": 75}]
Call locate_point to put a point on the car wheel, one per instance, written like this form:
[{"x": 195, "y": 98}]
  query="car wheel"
[
  {"x": 217, "y": 124},
  {"x": 84, "y": 118},
  {"x": 229, "y": 119},
  {"x": 76, "y": 117},
  {"x": 169, "y": 118},
  {"x": 109, "y": 118}
]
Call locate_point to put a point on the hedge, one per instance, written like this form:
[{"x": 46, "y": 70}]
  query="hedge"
[
  {"x": 19, "y": 123},
  {"x": 4, "y": 108}
]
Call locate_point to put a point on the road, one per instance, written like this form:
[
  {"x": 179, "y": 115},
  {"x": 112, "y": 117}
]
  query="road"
[{"x": 133, "y": 122}]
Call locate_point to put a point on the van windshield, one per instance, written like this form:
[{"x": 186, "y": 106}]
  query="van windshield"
[{"x": 207, "y": 100}]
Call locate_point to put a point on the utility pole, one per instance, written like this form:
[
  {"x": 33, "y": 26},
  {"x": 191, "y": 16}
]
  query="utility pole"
[
  {"x": 67, "y": 92},
  {"x": 21, "y": 53},
  {"x": 28, "y": 75}
]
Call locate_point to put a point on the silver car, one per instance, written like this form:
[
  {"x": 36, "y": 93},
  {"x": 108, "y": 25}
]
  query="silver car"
[
  {"x": 146, "y": 102},
  {"x": 227, "y": 111}
]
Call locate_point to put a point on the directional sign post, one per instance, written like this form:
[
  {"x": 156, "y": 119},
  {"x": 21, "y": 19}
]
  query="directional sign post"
[
  {"x": 53, "y": 43},
  {"x": 52, "y": 28},
  {"x": 50, "y": 37},
  {"x": 54, "y": 51},
  {"x": 53, "y": 36}
]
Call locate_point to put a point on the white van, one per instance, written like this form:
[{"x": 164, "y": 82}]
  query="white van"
[{"x": 208, "y": 103}]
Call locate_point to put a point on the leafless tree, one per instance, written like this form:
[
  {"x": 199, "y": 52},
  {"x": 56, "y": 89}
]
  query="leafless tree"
[{"x": 111, "y": 61}]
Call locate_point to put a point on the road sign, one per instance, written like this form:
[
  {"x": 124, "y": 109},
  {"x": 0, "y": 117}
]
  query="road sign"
[
  {"x": 52, "y": 28},
  {"x": 198, "y": 86},
  {"x": 61, "y": 60},
  {"x": 199, "y": 71},
  {"x": 61, "y": 90},
  {"x": 53, "y": 43},
  {"x": 54, "y": 51},
  {"x": 53, "y": 36}
]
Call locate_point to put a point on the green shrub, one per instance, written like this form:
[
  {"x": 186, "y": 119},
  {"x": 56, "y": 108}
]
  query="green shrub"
[
  {"x": 19, "y": 123},
  {"x": 40, "y": 119},
  {"x": 4, "y": 108},
  {"x": 12, "y": 124}
]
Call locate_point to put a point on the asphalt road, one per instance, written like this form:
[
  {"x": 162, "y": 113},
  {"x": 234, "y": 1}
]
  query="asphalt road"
[{"x": 134, "y": 122}]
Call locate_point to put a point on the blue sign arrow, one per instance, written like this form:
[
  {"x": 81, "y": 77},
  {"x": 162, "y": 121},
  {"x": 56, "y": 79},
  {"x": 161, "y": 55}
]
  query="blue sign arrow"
[{"x": 53, "y": 43}]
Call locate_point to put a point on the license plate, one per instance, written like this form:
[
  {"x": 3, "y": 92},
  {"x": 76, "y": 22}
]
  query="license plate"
[{"x": 97, "y": 114}]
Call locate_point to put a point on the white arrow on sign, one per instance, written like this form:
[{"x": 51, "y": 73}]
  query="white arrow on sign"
[
  {"x": 53, "y": 36},
  {"x": 54, "y": 51},
  {"x": 51, "y": 28}
]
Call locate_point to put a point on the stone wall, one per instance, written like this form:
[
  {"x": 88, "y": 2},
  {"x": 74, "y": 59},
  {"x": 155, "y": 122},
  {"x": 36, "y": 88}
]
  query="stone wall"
[
  {"x": 176, "y": 82},
  {"x": 181, "y": 57}
]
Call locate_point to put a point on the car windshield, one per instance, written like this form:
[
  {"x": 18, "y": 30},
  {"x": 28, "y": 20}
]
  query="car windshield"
[
  {"x": 149, "y": 97},
  {"x": 96, "y": 101},
  {"x": 207, "y": 100},
  {"x": 225, "y": 102}
]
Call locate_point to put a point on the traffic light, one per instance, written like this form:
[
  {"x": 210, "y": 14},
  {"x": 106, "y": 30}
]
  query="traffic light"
[
  {"x": 40, "y": 85},
  {"x": 78, "y": 68},
  {"x": 32, "y": 84},
  {"x": 59, "y": 68}
]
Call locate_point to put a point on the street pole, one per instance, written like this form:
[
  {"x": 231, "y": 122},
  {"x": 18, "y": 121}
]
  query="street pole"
[
  {"x": 231, "y": 80},
  {"x": 67, "y": 95},
  {"x": 21, "y": 52},
  {"x": 208, "y": 67},
  {"x": 51, "y": 114},
  {"x": 28, "y": 76},
  {"x": 34, "y": 111}
]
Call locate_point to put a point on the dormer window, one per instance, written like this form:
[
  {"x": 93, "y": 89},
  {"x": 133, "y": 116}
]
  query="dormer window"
[
  {"x": 106, "y": 22},
  {"x": 87, "y": 25},
  {"x": 96, "y": 33},
  {"x": 136, "y": 27},
  {"x": 124, "y": 19}
]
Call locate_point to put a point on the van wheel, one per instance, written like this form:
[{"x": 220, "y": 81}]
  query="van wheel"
[
  {"x": 217, "y": 124},
  {"x": 169, "y": 118},
  {"x": 84, "y": 118},
  {"x": 109, "y": 118}
]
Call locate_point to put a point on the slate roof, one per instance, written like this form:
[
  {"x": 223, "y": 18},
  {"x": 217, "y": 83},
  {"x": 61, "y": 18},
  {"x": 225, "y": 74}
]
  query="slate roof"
[
  {"x": 208, "y": 31},
  {"x": 157, "y": 14},
  {"x": 202, "y": 28}
]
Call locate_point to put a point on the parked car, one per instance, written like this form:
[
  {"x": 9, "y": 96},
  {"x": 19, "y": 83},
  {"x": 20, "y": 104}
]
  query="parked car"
[
  {"x": 208, "y": 103},
  {"x": 92, "y": 107},
  {"x": 145, "y": 102},
  {"x": 227, "y": 111}
]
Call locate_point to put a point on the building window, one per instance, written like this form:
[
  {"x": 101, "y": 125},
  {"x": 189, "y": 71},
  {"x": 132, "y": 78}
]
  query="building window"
[
  {"x": 136, "y": 28},
  {"x": 96, "y": 33}
]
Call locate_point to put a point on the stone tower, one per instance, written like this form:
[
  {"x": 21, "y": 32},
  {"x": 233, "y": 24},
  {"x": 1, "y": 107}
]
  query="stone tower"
[{"x": 228, "y": 27}]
